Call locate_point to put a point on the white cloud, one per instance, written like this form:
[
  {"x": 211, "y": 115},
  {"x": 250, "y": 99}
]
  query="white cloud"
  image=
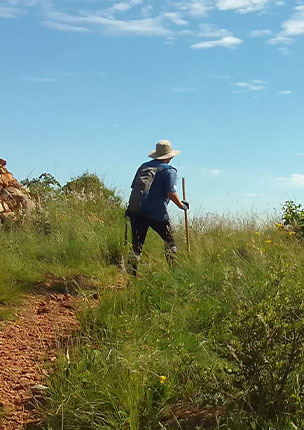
[
  {"x": 295, "y": 25},
  {"x": 201, "y": 8},
  {"x": 120, "y": 7},
  {"x": 124, "y": 6},
  {"x": 64, "y": 27},
  {"x": 280, "y": 40},
  {"x": 211, "y": 172},
  {"x": 211, "y": 31},
  {"x": 175, "y": 18},
  {"x": 296, "y": 180},
  {"x": 284, "y": 92},
  {"x": 225, "y": 42},
  {"x": 147, "y": 11},
  {"x": 140, "y": 17},
  {"x": 259, "y": 33},
  {"x": 242, "y": 6},
  {"x": 252, "y": 85},
  {"x": 215, "y": 172},
  {"x": 15, "y": 8},
  {"x": 291, "y": 28},
  {"x": 9, "y": 12},
  {"x": 196, "y": 8},
  {"x": 143, "y": 27}
]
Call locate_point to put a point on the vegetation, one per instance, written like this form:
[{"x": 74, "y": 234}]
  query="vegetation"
[
  {"x": 216, "y": 343},
  {"x": 67, "y": 236},
  {"x": 293, "y": 217}
]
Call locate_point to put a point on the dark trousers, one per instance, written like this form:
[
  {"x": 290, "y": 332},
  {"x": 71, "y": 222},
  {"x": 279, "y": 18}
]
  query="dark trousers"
[{"x": 140, "y": 225}]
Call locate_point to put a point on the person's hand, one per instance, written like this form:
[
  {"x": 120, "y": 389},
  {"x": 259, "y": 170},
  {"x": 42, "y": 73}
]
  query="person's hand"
[{"x": 186, "y": 205}]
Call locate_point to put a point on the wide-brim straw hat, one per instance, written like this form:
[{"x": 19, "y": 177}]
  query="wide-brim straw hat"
[{"x": 163, "y": 151}]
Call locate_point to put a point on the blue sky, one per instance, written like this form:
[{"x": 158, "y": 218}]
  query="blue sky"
[{"x": 93, "y": 85}]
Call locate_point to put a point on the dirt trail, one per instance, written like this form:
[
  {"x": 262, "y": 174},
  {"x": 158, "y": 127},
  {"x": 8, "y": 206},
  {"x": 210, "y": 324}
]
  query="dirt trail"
[{"x": 25, "y": 346}]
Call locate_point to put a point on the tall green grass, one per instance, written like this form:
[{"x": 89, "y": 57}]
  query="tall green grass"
[
  {"x": 220, "y": 335},
  {"x": 172, "y": 341},
  {"x": 69, "y": 234}
]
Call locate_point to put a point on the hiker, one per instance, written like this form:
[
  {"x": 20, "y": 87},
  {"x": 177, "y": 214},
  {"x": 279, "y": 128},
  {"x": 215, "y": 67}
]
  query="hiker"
[{"x": 153, "y": 187}]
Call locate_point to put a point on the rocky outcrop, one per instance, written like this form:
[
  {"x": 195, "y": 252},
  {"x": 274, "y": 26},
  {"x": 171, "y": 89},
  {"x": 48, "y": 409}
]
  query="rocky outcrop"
[{"x": 14, "y": 198}]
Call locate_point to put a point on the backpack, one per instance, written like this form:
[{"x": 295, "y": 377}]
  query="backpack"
[{"x": 141, "y": 186}]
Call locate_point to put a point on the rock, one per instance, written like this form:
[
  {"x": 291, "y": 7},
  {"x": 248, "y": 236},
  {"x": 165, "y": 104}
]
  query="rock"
[
  {"x": 42, "y": 310},
  {"x": 14, "y": 199},
  {"x": 23, "y": 400},
  {"x": 25, "y": 382},
  {"x": 4, "y": 194},
  {"x": 7, "y": 406},
  {"x": 67, "y": 305}
]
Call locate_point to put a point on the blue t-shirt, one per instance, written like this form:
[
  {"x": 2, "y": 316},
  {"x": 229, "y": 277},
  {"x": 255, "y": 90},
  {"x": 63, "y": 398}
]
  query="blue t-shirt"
[{"x": 155, "y": 205}]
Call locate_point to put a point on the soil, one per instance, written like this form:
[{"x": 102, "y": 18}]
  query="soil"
[{"x": 26, "y": 345}]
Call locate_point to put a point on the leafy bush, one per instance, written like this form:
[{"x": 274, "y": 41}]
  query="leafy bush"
[
  {"x": 293, "y": 216},
  {"x": 45, "y": 186},
  {"x": 264, "y": 345},
  {"x": 90, "y": 186}
]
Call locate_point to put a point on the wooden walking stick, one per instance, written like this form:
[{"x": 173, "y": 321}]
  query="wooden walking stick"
[{"x": 186, "y": 217}]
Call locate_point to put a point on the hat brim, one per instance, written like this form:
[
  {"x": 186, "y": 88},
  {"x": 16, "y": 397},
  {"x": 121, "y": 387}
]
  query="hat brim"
[{"x": 156, "y": 156}]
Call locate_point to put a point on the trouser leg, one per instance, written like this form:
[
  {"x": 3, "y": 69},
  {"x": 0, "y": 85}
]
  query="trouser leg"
[
  {"x": 165, "y": 230},
  {"x": 139, "y": 226}
]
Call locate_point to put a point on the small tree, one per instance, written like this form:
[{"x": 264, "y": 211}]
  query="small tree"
[
  {"x": 43, "y": 187},
  {"x": 90, "y": 186}
]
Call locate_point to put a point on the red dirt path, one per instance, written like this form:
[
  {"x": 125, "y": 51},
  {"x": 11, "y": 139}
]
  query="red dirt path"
[{"x": 25, "y": 346}]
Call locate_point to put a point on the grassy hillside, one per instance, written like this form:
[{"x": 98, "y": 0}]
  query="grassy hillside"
[
  {"x": 216, "y": 343},
  {"x": 74, "y": 231}
]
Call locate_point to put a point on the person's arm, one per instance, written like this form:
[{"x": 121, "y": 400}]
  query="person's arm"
[
  {"x": 175, "y": 199},
  {"x": 171, "y": 180}
]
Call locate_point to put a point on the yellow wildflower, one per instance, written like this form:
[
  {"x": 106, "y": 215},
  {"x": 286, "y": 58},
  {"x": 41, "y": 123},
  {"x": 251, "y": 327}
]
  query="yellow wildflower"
[
  {"x": 162, "y": 379},
  {"x": 279, "y": 226},
  {"x": 268, "y": 241},
  {"x": 291, "y": 233},
  {"x": 257, "y": 233}
]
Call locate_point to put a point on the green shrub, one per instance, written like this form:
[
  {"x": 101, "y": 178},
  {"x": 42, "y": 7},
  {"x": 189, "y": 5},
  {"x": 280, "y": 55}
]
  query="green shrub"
[
  {"x": 293, "y": 217},
  {"x": 43, "y": 187},
  {"x": 264, "y": 345},
  {"x": 91, "y": 186}
]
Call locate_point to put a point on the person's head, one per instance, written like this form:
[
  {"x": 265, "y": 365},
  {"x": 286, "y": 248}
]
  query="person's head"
[{"x": 163, "y": 151}]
